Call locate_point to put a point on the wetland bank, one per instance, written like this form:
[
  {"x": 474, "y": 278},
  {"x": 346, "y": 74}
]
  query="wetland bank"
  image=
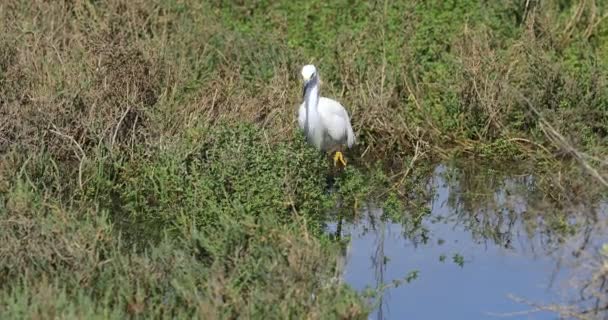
[{"x": 151, "y": 165}]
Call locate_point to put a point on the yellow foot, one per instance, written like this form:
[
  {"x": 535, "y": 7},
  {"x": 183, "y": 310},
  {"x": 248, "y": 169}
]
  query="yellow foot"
[{"x": 338, "y": 157}]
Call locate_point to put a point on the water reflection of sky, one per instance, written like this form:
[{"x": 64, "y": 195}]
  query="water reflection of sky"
[{"x": 527, "y": 268}]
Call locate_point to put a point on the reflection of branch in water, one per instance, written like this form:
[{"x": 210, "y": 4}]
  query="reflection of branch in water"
[
  {"x": 339, "y": 226},
  {"x": 342, "y": 258},
  {"x": 378, "y": 260},
  {"x": 590, "y": 224},
  {"x": 592, "y": 301},
  {"x": 597, "y": 300},
  {"x": 495, "y": 208},
  {"x": 487, "y": 206}
]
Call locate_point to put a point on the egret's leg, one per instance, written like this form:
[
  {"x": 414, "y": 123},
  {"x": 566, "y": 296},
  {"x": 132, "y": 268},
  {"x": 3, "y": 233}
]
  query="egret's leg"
[{"x": 338, "y": 157}]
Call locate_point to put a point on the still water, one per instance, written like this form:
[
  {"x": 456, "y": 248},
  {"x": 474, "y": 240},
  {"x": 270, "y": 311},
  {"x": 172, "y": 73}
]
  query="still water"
[{"x": 483, "y": 246}]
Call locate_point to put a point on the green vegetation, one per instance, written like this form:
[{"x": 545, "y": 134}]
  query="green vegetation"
[
  {"x": 150, "y": 164},
  {"x": 183, "y": 232}
]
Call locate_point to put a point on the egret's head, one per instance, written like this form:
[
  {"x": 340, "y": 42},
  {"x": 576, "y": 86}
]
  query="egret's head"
[{"x": 308, "y": 72}]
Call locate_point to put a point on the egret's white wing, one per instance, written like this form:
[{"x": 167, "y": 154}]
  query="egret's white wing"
[{"x": 335, "y": 119}]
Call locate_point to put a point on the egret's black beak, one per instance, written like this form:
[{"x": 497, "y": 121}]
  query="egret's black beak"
[
  {"x": 304, "y": 88},
  {"x": 308, "y": 83}
]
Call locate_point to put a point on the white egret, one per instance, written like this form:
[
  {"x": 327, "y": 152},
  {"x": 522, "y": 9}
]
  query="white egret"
[{"x": 325, "y": 122}]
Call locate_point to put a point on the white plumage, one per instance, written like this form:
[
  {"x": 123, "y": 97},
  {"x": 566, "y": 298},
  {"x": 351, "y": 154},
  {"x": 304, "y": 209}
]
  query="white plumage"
[
  {"x": 334, "y": 119},
  {"x": 328, "y": 126}
]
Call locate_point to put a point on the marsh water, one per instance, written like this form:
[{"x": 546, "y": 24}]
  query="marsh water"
[{"x": 490, "y": 246}]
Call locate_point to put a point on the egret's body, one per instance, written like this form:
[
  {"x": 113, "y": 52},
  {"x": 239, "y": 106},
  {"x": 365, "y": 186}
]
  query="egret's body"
[{"x": 325, "y": 121}]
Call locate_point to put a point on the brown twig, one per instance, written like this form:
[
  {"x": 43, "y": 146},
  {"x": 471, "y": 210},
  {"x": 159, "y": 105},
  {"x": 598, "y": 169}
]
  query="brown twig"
[{"x": 81, "y": 158}]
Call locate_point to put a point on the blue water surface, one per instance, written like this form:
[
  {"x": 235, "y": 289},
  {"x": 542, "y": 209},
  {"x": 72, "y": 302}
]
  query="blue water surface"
[{"x": 488, "y": 274}]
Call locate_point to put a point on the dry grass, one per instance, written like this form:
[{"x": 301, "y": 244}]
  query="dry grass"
[{"x": 118, "y": 74}]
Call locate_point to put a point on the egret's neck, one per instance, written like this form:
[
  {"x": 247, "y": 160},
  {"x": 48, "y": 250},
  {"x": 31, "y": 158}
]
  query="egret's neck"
[
  {"x": 312, "y": 97},
  {"x": 311, "y": 100}
]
